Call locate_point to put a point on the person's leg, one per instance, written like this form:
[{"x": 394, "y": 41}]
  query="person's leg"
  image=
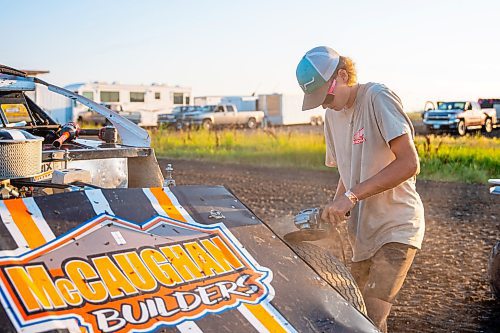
[
  {"x": 388, "y": 270},
  {"x": 359, "y": 271}
]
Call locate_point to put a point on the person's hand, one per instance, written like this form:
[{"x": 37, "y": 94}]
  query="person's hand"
[{"x": 337, "y": 211}]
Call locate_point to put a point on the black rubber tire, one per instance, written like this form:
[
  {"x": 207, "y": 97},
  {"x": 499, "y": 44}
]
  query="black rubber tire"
[
  {"x": 494, "y": 270},
  {"x": 206, "y": 124},
  {"x": 252, "y": 123},
  {"x": 488, "y": 125},
  {"x": 333, "y": 271},
  {"x": 461, "y": 128}
]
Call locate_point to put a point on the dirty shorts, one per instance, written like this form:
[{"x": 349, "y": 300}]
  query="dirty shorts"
[{"x": 382, "y": 275}]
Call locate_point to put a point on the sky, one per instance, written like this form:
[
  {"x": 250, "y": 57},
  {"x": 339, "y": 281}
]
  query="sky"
[{"x": 422, "y": 50}]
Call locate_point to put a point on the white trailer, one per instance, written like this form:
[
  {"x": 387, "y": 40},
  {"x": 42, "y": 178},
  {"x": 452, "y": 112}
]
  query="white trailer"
[
  {"x": 207, "y": 100},
  {"x": 148, "y": 100},
  {"x": 286, "y": 109},
  {"x": 243, "y": 103}
]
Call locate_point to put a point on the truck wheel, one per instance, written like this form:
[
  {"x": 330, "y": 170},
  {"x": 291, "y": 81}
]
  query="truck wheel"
[
  {"x": 494, "y": 270},
  {"x": 252, "y": 123},
  {"x": 461, "y": 128},
  {"x": 207, "y": 124},
  {"x": 333, "y": 271},
  {"x": 488, "y": 125}
]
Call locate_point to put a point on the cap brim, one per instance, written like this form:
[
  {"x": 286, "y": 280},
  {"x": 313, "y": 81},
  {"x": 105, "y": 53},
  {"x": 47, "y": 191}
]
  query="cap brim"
[{"x": 315, "y": 99}]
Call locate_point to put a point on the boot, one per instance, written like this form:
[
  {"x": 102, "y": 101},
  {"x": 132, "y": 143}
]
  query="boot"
[{"x": 378, "y": 311}]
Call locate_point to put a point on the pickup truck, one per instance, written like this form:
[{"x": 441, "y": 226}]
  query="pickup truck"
[
  {"x": 459, "y": 117},
  {"x": 221, "y": 115},
  {"x": 174, "y": 118}
]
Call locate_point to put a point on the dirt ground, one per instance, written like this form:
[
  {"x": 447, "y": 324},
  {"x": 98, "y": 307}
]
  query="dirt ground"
[{"x": 446, "y": 289}]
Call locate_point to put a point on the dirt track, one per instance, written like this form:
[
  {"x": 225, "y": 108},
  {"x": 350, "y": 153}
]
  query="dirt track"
[{"x": 446, "y": 289}]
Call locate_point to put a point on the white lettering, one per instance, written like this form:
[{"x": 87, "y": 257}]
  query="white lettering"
[
  {"x": 129, "y": 316},
  {"x": 105, "y": 316},
  {"x": 205, "y": 296},
  {"x": 181, "y": 297}
]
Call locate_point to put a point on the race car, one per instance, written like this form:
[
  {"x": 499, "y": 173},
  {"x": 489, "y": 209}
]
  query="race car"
[{"x": 95, "y": 239}]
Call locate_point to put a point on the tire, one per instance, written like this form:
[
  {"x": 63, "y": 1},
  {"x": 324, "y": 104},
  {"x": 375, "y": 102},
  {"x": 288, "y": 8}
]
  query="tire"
[
  {"x": 488, "y": 125},
  {"x": 494, "y": 270},
  {"x": 333, "y": 271},
  {"x": 252, "y": 123},
  {"x": 461, "y": 128},
  {"x": 207, "y": 124}
]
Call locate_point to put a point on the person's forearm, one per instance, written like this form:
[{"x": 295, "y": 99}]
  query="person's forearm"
[{"x": 391, "y": 176}]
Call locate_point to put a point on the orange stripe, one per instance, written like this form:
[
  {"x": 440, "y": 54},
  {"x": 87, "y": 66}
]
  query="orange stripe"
[
  {"x": 25, "y": 223},
  {"x": 261, "y": 313},
  {"x": 166, "y": 204},
  {"x": 266, "y": 318}
]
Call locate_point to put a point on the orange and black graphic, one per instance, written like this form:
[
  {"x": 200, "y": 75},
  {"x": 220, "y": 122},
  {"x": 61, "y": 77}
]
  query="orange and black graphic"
[{"x": 111, "y": 275}]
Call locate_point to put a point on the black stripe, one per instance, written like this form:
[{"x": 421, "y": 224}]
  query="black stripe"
[
  {"x": 5, "y": 324},
  {"x": 7, "y": 242},
  {"x": 229, "y": 321},
  {"x": 130, "y": 204},
  {"x": 65, "y": 211}
]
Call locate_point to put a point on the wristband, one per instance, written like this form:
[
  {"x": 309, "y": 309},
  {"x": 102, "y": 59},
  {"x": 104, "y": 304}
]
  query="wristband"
[{"x": 351, "y": 196}]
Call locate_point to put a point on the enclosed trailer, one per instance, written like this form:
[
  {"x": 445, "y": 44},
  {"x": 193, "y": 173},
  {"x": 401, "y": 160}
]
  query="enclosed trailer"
[
  {"x": 286, "y": 109},
  {"x": 243, "y": 103},
  {"x": 207, "y": 100}
]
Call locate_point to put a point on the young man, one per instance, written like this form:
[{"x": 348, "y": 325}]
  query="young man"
[{"x": 369, "y": 139}]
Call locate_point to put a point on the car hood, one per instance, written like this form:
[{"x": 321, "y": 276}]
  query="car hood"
[{"x": 453, "y": 111}]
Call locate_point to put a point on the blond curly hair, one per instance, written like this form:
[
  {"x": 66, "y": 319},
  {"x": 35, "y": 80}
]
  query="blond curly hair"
[{"x": 347, "y": 64}]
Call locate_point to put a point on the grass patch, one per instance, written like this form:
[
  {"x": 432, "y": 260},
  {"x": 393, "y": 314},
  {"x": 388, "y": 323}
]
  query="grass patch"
[
  {"x": 259, "y": 147},
  {"x": 471, "y": 159}
]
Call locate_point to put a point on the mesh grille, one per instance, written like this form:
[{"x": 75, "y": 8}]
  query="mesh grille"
[{"x": 20, "y": 159}]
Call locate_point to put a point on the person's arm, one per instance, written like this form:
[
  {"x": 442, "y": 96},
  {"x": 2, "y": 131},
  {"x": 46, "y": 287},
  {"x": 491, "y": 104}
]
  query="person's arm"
[{"x": 405, "y": 166}]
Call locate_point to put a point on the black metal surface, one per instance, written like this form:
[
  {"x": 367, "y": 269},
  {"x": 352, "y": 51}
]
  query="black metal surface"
[{"x": 307, "y": 302}]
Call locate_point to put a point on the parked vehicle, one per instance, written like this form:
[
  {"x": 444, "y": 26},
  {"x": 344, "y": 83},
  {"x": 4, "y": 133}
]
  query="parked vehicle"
[
  {"x": 175, "y": 119},
  {"x": 222, "y": 115},
  {"x": 141, "y": 103},
  {"x": 92, "y": 117},
  {"x": 100, "y": 246},
  {"x": 286, "y": 109},
  {"x": 459, "y": 117},
  {"x": 493, "y": 117}
]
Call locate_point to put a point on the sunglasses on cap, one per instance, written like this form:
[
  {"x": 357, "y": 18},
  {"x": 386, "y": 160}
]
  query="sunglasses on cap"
[{"x": 331, "y": 92}]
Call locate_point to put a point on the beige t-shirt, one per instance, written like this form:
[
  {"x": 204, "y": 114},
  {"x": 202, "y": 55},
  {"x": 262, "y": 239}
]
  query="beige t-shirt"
[{"x": 357, "y": 143}]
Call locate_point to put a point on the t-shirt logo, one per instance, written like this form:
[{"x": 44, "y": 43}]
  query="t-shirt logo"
[{"x": 359, "y": 137}]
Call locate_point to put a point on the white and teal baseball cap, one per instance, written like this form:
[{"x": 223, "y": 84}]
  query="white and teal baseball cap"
[{"x": 313, "y": 72}]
